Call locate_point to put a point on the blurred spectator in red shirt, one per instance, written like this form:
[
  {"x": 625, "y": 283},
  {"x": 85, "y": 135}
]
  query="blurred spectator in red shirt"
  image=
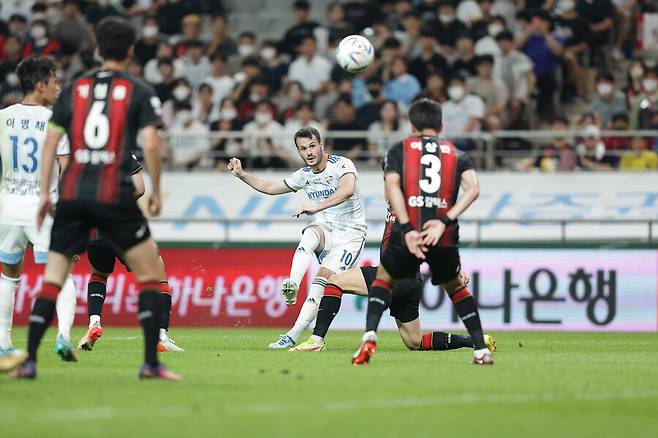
[
  {"x": 40, "y": 41},
  {"x": 618, "y": 122}
]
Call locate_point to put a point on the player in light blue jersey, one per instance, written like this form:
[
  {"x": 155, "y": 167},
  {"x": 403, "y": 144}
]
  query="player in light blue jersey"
[
  {"x": 338, "y": 232},
  {"x": 23, "y": 129}
]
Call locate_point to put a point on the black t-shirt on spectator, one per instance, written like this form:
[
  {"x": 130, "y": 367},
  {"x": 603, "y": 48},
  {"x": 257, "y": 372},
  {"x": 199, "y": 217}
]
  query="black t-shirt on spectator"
[
  {"x": 361, "y": 15},
  {"x": 368, "y": 113},
  {"x": 446, "y": 34},
  {"x": 464, "y": 68},
  {"x": 422, "y": 68},
  {"x": 346, "y": 144},
  {"x": 573, "y": 30},
  {"x": 145, "y": 52},
  {"x": 294, "y": 35},
  {"x": 275, "y": 75},
  {"x": 595, "y": 11},
  {"x": 164, "y": 91}
]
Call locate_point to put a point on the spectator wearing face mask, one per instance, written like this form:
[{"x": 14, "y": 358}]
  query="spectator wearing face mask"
[
  {"x": 146, "y": 47},
  {"x": 574, "y": 31},
  {"x": 188, "y": 138},
  {"x": 639, "y": 158},
  {"x": 246, "y": 50},
  {"x": 266, "y": 152},
  {"x": 225, "y": 148},
  {"x": 463, "y": 112},
  {"x": 274, "y": 69},
  {"x": 592, "y": 154},
  {"x": 608, "y": 100},
  {"x": 486, "y": 44},
  {"x": 222, "y": 84},
  {"x": 446, "y": 26},
  {"x": 181, "y": 93},
  {"x": 258, "y": 91},
  {"x": 645, "y": 104},
  {"x": 369, "y": 112},
  {"x": 40, "y": 42}
]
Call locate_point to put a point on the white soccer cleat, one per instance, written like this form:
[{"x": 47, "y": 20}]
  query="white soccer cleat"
[
  {"x": 289, "y": 291},
  {"x": 285, "y": 342},
  {"x": 169, "y": 345}
]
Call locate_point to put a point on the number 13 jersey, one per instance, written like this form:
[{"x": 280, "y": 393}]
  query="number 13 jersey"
[
  {"x": 22, "y": 134},
  {"x": 430, "y": 172},
  {"x": 102, "y": 114}
]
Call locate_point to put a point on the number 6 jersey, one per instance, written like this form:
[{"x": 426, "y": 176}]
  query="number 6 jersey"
[
  {"x": 22, "y": 134},
  {"x": 430, "y": 171},
  {"x": 102, "y": 114}
]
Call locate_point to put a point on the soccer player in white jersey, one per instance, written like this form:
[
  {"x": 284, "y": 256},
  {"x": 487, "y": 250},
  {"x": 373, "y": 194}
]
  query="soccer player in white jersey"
[
  {"x": 23, "y": 128},
  {"x": 336, "y": 236}
]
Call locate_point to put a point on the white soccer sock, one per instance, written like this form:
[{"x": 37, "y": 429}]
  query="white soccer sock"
[
  {"x": 163, "y": 335},
  {"x": 304, "y": 255},
  {"x": 8, "y": 288},
  {"x": 66, "y": 308},
  {"x": 309, "y": 308},
  {"x": 94, "y": 320}
]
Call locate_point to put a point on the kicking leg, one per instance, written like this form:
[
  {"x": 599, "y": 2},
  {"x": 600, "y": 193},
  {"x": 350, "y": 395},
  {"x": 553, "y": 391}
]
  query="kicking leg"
[{"x": 312, "y": 242}]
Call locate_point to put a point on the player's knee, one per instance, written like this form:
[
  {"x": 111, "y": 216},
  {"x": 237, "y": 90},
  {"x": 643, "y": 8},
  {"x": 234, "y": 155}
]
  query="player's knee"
[{"x": 456, "y": 284}]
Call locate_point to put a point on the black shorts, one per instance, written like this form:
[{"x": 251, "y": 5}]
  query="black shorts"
[
  {"x": 400, "y": 263},
  {"x": 406, "y": 295},
  {"x": 123, "y": 224},
  {"x": 102, "y": 254}
]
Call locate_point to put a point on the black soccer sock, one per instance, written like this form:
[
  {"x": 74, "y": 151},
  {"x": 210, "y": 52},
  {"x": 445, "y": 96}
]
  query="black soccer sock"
[
  {"x": 468, "y": 312},
  {"x": 42, "y": 315},
  {"x": 150, "y": 317},
  {"x": 329, "y": 308},
  {"x": 379, "y": 299},
  {"x": 165, "y": 304},
  {"x": 96, "y": 291},
  {"x": 444, "y": 341}
]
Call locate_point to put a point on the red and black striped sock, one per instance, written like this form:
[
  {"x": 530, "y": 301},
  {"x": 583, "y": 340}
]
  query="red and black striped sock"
[
  {"x": 468, "y": 312},
  {"x": 96, "y": 292},
  {"x": 42, "y": 315},
  {"x": 379, "y": 299},
  {"x": 329, "y": 308},
  {"x": 165, "y": 304},
  {"x": 150, "y": 317},
  {"x": 444, "y": 341}
]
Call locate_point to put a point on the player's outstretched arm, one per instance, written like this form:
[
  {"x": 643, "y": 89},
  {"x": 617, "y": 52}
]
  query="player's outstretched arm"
[
  {"x": 48, "y": 156},
  {"x": 151, "y": 142},
  {"x": 262, "y": 185},
  {"x": 346, "y": 188}
]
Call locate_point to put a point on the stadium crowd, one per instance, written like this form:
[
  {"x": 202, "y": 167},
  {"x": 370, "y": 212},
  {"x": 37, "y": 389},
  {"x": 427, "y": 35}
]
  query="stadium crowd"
[{"x": 561, "y": 65}]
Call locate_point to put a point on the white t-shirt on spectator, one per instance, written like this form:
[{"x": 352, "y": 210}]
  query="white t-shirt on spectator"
[
  {"x": 456, "y": 115},
  {"x": 221, "y": 87},
  {"x": 310, "y": 74},
  {"x": 186, "y": 142},
  {"x": 195, "y": 73},
  {"x": 273, "y": 130}
]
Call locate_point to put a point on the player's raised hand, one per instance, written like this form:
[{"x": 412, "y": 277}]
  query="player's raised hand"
[
  {"x": 45, "y": 207},
  {"x": 235, "y": 166},
  {"x": 432, "y": 232},
  {"x": 414, "y": 243},
  {"x": 155, "y": 204},
  {"x": 305, "y": 209}
]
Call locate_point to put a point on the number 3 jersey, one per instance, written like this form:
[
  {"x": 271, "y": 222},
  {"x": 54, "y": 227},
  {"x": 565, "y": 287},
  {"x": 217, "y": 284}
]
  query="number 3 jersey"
[
  {"x": 346, "y": 216},
  {"x": 102, "y": 114},
  {"x": 430, "y": 171},
  {"x": 22, "y": 134}
]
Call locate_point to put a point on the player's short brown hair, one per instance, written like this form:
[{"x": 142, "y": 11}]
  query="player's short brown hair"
[
  {"x": 115, "y": 37},
  {"x": 307, "y": 133}
]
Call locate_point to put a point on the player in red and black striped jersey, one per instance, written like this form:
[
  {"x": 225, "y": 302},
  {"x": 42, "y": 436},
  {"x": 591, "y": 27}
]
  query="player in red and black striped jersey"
[
  {"x": 102, "y": 114},
  {"x": 423, "y": 176}
]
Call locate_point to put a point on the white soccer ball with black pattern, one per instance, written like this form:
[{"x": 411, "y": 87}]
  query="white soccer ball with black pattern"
[{"x": 354, "y": 53}]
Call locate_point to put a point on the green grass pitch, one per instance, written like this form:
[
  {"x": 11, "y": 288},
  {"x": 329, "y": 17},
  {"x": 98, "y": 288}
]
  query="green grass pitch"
[{"x": 543, "y": 384}]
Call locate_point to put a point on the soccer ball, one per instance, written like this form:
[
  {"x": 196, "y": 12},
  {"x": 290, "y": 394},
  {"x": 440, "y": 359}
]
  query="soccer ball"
[{"x": 354, "y": 53}]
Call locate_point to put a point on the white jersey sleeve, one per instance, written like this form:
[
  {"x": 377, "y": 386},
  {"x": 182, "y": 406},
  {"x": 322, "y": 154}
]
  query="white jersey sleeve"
[
  {"x": 297, "y": 180},
  {"x": 345, "y": 166}
]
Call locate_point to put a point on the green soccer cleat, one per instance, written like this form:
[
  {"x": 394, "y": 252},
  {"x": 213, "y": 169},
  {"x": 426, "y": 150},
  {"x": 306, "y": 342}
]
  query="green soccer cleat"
[
  {"x": 65, "y": 350},
  {"x": 308, "y": 346},
  {"x": 490, "y": 342},
  {"x": 289, "y": 291}
]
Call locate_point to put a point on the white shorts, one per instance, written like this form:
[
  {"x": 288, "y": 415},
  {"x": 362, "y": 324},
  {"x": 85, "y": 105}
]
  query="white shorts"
[
  {"x": 14, "y": 240},
  {"x": 342, "y": 249}
]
